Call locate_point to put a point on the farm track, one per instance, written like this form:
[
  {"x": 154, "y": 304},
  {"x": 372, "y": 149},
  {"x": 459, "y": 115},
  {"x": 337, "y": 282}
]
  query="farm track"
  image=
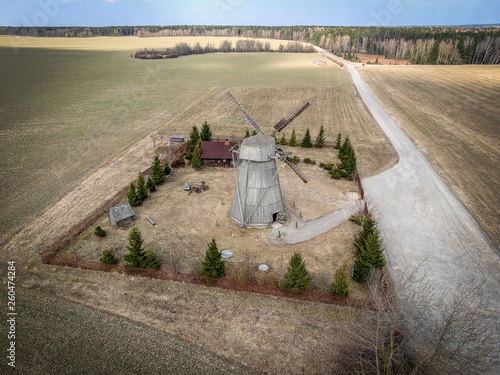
[{"x": 423, "y": 223}]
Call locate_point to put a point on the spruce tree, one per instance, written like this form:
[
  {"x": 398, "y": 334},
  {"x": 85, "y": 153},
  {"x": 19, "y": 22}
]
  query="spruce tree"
[
  {"x": 344, "y": 149},
  {"x": 293, "y": 139},
  {"x": 166, "y": 170},
  {"x": 306, "y": 141},
  {"x": 141, "y": 191},
  {"x": 296, "y": 277},
  {"x": 320, "y": 138},
  {"x": 283, "y": 140},
  {"x": 254, "y": 132},
  {"x": 247, "y": 134},
  {"x": 108, "y": 257},
  {"x": 157, "y": 171},
  {"x": 206, "y": 133},
  {"x": 133, "y": 198},
  {"x": 196, "y": 161},
  {"x": 213, "y": 266},
  {"x": 368, "y": 227},
  {"x": 151, "y": 260},
  {"x": 369, "y": 250},
  {"x": 193, "y": 139},
  {"x": 350, "y": 163},
  {"x": 136, "y": 256},
  {"x": 338, "y": 142},
  {"x": 150, "y": 185},
  {"x": 341, "y": 282}
]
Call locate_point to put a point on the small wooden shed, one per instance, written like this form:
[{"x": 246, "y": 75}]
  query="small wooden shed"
[{"x": 121, "y": 215}]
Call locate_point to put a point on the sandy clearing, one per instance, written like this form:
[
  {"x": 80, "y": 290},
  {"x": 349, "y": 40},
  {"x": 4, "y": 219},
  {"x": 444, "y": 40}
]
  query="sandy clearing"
[{"x": 422, "y": 221}]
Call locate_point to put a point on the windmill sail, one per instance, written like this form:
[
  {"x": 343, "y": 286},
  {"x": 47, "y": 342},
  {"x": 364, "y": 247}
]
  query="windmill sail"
[
  {"x": 253, "y": 124},
  {"x": 291, "y": 116}
]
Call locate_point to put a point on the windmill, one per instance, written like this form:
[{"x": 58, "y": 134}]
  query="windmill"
[{"x": 257, "y": 201}]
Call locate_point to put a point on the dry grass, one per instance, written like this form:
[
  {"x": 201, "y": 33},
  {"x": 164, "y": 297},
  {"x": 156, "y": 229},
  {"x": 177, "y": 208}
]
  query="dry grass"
[
  {"x": 70, "y": 112},
  {"x": 186, "y": 223},
  {"x": 75, "y": 126},
  {"x": 451, "y": 113}
]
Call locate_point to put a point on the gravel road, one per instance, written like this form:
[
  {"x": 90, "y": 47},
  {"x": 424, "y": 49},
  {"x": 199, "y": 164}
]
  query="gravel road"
[{"x": 422, "y": 222}]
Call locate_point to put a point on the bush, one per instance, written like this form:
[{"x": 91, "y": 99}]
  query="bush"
[
  {"x": 179, "y": 163},
  {"x": 108, "y": 257},
  {"x": 309, "y": 161},
  {"x": 295, "y": 159},
  {"x": 327, "y": 166},
  {"x": 99, "y": 232}
]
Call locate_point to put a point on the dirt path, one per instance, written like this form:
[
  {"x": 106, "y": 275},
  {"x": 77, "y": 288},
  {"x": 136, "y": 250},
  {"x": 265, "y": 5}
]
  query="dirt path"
[{"x": 421, "y": 220}]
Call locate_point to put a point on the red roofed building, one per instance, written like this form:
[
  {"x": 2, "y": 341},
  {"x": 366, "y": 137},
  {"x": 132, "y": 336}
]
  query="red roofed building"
[{"x": 217, "y": 154}]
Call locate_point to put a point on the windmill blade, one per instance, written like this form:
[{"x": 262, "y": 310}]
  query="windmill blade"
[
  {"x": 302, "y": 177},
  {"x": 284, "y": 156},
  {"x": 291, "y": 116},
  {"x": 253, "y": 124}
]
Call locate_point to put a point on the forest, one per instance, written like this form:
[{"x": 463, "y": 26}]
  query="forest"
[
  {"x": 243, "y": 45},
  {"x": 419, "y": 45}
]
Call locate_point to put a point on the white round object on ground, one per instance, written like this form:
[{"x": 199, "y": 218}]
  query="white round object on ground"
[
  {"x": 263, "y": 267},
  {"x": 226, "y": 254}
]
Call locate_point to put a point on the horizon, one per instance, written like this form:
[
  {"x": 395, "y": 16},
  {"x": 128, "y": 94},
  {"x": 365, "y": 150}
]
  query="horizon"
[{"x": 270, "y": 13}]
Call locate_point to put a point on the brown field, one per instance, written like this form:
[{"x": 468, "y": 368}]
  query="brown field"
[
  {"x": 66, "y": 152},
  {"x": 451, "y": 113}
]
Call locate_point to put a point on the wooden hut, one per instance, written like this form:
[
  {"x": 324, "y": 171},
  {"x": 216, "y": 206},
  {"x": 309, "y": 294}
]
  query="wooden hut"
[
  {"x": 216, "y": 154},
  {"x": 121, "y": 215}
]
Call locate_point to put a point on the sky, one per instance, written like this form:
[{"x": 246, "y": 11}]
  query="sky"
[{"x": 248, "y": 12}]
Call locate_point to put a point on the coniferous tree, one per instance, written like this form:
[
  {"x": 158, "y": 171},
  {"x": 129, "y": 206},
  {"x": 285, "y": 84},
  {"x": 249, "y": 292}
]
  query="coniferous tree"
[
  {"x": 283, "y": 140},
  {"x": 338, "y": 142},
  {"x": 369, "y": 250},
  {"x": 136, "y": 256},
  {"x": 193, "y": 138},
  {"x": 343, "y": 150},
  {"x": 320, "y": 138},
  {"x": 166, "y": 170},
  {"x": 213, "y": 266},
  {"x": 150, "y": 185},
  {"x": 296, "y": 276},
  {"x": 141, "y": 191},
  {"x": 306, "y": 141},
  {"x": 108, "y": 257},
  {"x": 247, "y": 134},
  {"x": 341, "y": 282},
  {"x": 151, "y": 260},
  {"x": 99, "y": 232},
  {"x": 368, "y": 227},
  {"x": 350, "y": 164},
  {"x": 133, "y": 198},
  {"x": 196, "y": 161},
  {"x": 206, "y": 133},
  {"x": 157, "y": 171},
  {"x": 254, "y": 132},
  {"x": 293, "y": 139}
]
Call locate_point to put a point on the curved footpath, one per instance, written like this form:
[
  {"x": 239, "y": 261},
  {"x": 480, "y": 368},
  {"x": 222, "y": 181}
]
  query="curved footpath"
[{"x": 422, "y": 221}]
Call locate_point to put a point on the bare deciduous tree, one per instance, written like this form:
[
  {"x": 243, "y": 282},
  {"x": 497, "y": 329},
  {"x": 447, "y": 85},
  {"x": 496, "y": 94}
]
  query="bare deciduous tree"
[{"x": 409, "y": 328}]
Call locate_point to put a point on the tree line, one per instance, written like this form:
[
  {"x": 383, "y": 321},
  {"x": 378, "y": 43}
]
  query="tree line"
[
  {"x": 244, "y": 45},
  {"x": 419, "y": 45}
]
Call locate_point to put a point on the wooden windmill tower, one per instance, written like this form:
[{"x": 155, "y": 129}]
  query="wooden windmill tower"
[{"x": 257, "y": 201}]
